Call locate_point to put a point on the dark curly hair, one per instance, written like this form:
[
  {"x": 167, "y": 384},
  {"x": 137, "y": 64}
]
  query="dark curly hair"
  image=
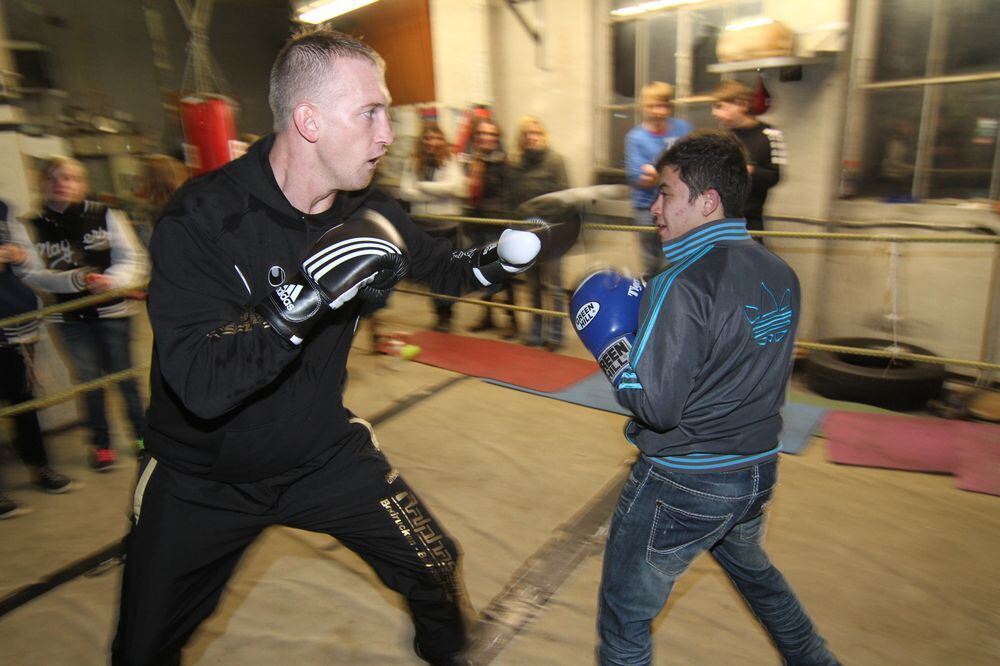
[{"x": 711, "y": 160}]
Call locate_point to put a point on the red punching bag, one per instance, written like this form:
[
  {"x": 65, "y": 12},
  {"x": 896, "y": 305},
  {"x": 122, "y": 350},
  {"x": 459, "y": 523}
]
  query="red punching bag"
[
  {"x": 209, "y": 131},
  {"x": 761, "y": 101}
]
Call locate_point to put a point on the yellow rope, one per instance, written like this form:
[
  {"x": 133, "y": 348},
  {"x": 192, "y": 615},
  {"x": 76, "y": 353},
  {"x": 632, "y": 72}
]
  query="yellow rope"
[
  {"x": 75, "y": 304},
  {"x": 817, "y": 346},
  {"x": 62, "y": 396},
  {"x": 885, "y": 238},
  {"x": 905, "y": 356},
  {"x": 590, "y": 226}
]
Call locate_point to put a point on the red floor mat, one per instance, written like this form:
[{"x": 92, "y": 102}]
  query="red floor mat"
[
  {"x": 503, "y": 361},
  {"x": 970, "y": 451}
]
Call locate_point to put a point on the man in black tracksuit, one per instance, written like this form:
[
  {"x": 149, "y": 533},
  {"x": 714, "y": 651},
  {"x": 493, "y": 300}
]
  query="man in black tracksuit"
[{"x": 247, "y": 426}]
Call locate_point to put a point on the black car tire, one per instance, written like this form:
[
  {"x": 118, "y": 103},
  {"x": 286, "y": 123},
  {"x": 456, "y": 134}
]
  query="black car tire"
[{"x": 890, "y": 383}]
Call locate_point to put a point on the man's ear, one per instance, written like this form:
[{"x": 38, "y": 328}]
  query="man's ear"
[
  {"x": 710, "y": 202},
  {"x": 306, "y": 122}
]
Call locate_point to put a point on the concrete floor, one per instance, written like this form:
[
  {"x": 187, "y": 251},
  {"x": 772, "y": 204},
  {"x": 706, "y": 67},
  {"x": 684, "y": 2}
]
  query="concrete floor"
[{"x": 894, "y": 567}]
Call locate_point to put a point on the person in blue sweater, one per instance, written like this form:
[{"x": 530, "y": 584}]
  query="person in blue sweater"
[{"x": 644, "y": 143}]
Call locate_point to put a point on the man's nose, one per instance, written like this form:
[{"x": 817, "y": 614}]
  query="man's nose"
[{"x": 385, "y": 136}]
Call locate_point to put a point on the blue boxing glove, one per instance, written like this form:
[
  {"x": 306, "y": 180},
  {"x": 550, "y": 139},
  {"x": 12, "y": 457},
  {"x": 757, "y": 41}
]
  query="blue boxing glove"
[{"x": 605, "y": 314}]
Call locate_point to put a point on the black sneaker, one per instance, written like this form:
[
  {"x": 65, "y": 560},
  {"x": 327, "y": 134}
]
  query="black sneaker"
[
  {"x": 8, "y": 507},
  {"x": 52, "y": 481},
  {"x": 103, "y": 459}
]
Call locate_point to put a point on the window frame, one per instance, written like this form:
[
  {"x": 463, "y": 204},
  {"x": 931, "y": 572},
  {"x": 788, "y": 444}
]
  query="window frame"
[{"x": 934, "y": 84}]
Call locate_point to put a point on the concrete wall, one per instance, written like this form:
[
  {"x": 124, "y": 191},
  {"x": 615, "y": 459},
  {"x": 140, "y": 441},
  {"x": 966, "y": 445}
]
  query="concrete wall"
[{"x": 552, "y": 80}]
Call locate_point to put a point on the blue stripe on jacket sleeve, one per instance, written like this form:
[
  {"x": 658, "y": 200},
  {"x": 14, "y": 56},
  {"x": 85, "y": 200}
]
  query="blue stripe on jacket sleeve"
[{"x": 666, "y": 279}]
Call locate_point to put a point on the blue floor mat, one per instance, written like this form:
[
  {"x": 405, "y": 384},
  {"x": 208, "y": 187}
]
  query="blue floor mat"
[{"x": 801, "y": 421}]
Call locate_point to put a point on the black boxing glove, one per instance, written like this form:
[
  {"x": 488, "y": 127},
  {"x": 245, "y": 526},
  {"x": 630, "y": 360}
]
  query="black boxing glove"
[{"x": 365, "y": 255}]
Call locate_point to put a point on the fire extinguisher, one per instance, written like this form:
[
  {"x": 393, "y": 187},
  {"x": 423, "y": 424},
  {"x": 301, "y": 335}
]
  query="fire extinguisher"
[{"x": 209, "y": 131}]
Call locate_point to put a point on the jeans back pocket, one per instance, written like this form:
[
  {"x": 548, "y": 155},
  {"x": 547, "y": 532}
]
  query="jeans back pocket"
[{"x": 679, "y": 535}]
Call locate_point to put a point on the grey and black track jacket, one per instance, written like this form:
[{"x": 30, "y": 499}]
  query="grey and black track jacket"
[
  {"x": 232, "y": 400},
  {"x": 712, "y": 356}
]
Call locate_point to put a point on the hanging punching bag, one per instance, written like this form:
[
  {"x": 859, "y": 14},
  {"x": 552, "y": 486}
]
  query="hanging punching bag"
[
  {"x": 209, "y": 131},
  {"x": 761, "y": 100}
]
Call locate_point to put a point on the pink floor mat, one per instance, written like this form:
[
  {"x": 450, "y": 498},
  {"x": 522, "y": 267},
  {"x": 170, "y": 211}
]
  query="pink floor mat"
[{"x": 969, "y": 451}]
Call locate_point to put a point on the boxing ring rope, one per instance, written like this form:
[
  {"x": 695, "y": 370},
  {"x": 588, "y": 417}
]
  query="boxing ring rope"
[
  {"x": 64, "y": 395},
  {"x": 138, "y": 371},
  {"x": 845, "y": 236},
  {"x": 816, "y": 346}
]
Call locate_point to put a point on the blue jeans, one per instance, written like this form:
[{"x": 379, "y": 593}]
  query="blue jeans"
[
  {"x": 651, "y": 248},
  {"x": 98, "y": 348},
  {"x": 545, "y": 280},
  {"x": 664, "y": 520}
]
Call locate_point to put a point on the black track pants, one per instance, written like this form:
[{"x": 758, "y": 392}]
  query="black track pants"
[{"x": 189, "y": 533}]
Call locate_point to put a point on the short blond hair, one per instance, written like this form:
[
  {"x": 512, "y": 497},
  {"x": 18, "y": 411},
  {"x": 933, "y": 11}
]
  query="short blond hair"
[
  {"x": 59, "y": 161},
  {"x": 523, "y": 123},
  {"x": 303, "y": 64},
  {"x": 733, "y": 92},
  {"x": 657, "y": 91}
]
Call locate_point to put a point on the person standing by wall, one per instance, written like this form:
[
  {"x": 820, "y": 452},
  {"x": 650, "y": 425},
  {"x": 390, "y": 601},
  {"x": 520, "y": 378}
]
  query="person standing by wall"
[
  {"x": 488, "y": 198},
  {"x": 644, "y": 143},
  {"x": 82, "y": 247},
  {"x": 765, "y": 146},
  {"x": 433, "y": 182},
  {"x": 536, "y": 169}
]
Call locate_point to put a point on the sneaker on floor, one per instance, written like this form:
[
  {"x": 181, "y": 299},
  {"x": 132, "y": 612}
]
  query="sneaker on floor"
[
  {"x": 52, "y": 481},
  {"x": 482, "y": 325},
  {"x": 508, "y": 332},
  {"x": 103, "y": 460},
  {"x": 8, "y": 507}
]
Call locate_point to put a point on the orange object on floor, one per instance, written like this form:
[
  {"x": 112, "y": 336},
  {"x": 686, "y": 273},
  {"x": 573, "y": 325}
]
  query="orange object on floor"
[{"x": 503, "y": 361}]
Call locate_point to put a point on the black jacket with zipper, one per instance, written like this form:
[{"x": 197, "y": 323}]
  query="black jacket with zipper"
[{"x": 231, "y": 400}]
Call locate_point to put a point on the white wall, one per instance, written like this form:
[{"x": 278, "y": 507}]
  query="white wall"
[{"x": 552, "y": 81}]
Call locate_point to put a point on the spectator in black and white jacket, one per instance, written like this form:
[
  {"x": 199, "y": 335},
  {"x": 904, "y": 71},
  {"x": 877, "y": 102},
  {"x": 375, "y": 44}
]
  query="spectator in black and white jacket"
[{"x": 82, "y": 248}]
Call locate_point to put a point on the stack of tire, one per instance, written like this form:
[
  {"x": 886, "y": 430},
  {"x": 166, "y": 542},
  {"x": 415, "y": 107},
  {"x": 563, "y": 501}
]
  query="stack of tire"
[{"x": 895, "y": 384}]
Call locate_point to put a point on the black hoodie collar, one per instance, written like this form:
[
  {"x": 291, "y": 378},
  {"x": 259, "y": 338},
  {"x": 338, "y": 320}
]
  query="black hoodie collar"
[{"x": 253, "y": 173}]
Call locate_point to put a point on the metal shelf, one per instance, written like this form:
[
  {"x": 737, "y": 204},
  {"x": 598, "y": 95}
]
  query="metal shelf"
[{"x": 775, "y": 62}]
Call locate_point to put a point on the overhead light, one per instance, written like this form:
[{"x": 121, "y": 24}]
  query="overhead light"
[
  {"x": 653, "y": 5},
  {"x": 750, "y": 23},
  {"x": 319, "y": 11}
]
